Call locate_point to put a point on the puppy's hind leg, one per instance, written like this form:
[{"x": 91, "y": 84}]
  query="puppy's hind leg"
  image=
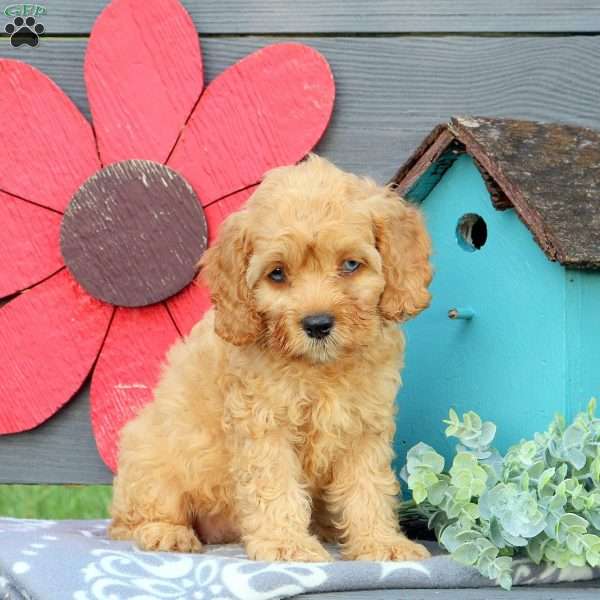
[
  {"x": 120, "y": 530},
  {"x": 166, "y": 537},
  {"x": 155, "y": 515}
]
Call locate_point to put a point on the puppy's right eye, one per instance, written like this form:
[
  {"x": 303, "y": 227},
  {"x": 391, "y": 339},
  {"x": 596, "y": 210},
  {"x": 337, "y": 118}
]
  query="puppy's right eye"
[{"x": 277, "y": 275}]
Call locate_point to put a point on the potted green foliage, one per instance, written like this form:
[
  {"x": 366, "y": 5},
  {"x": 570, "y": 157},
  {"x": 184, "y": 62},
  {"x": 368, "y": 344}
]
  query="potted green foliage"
[{"x": 540, "y": 500}]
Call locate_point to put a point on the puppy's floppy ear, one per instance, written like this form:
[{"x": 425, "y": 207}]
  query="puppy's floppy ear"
[
  {"x": 405, "y": 247},
  {"x": 223, "y": 269}
]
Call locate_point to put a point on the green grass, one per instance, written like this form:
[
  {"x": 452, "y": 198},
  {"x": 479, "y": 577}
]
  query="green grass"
[{"x": 55, "y": 501}]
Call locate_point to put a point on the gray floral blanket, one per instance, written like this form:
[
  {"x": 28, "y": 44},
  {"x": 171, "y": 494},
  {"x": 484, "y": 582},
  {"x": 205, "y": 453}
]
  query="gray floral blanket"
[{"x": 61, "y": 560}]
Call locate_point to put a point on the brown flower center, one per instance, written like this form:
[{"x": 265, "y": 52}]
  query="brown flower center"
[{"x": 133, "y": 233}]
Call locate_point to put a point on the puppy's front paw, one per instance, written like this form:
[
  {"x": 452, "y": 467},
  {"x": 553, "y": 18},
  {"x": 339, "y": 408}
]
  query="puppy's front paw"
[
  {"x": 166, "y": 537},
  {"x": 305, "y": 549},
  {"x": 400, "y": 548}
]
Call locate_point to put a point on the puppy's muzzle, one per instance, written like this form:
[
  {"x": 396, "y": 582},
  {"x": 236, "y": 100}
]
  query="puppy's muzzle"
[{"x": 318, "y": 326}]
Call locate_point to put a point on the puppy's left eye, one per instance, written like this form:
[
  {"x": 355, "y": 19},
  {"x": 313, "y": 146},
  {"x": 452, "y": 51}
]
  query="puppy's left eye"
[
  {"x": 349, "y": 266},
  {"x": 277, "y": 275}
]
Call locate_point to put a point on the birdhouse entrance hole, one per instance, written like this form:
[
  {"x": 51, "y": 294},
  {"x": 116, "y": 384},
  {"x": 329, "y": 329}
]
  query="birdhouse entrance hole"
[{"x": 471, "y": 232}]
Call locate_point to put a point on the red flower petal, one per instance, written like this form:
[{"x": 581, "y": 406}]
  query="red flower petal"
[
  {"x": 127, "y": 371},
  {"x": 218, "y": 211},
  {"x": 143, "y": 72},
  {"x": 48, "y": 148},
  {"x": 190, "y": 304},
  {"x": 267, "y": 110},
  {"x": 188, "y": 307},
  {"x": 28, "y": 244},
  {"x": 50, "y": 338}
]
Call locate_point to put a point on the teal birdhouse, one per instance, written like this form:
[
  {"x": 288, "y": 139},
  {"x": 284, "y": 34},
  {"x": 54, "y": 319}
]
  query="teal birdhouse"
[{"x": 513, "y": 330}]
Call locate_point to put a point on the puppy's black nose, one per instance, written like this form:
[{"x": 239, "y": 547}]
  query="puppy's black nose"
[{"x": 318, "y": 326}]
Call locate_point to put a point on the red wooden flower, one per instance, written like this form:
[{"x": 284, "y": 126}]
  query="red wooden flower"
[{"x": 100, "y": 227}]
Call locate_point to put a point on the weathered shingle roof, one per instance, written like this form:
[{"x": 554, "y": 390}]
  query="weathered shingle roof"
[{"x": 549, "y": 173}]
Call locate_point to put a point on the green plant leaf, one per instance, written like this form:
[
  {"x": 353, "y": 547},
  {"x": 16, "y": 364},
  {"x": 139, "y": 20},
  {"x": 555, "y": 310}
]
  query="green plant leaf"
[
  {"x": 435, "y": 494},
  {"x": 423, "y": 456},
  {"x": 467, "y": 553}
]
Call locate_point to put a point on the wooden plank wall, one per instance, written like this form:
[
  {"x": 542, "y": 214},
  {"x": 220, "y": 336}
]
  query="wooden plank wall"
[{"x": 400, "y": 68}]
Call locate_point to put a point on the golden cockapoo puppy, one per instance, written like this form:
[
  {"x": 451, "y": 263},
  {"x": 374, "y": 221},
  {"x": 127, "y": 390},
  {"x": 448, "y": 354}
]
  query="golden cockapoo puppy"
[{"x": 273, "y": 420}]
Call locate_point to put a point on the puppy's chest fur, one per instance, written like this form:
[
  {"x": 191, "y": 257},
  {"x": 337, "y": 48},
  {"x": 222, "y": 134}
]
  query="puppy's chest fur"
[
  {"x": 324, "y": 429},
  {"x": 323, "y": 410},
  {"x": 330, "y": 417}
]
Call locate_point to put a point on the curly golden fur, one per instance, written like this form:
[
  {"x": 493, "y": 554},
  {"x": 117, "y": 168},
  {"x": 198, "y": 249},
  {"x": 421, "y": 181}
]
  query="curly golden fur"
[{"x": 259, "y": 432}]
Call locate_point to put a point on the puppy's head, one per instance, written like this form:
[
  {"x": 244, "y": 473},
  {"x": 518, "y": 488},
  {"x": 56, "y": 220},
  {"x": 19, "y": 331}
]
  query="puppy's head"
[{"x": 316, "y": 262}]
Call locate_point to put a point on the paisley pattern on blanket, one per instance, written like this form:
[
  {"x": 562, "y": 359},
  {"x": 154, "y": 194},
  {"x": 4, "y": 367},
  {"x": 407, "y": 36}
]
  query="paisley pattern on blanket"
[{"x": 74, "y": 559}]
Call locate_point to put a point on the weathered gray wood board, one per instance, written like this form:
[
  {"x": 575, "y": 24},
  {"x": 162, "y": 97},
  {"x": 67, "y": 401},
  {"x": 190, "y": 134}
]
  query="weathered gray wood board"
[
  {"x": 390, "y": 92},
  {"x": 62, "y": 450},
  {"x": 560, "y": 591},
  {"x": 334, "y": 16}
]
